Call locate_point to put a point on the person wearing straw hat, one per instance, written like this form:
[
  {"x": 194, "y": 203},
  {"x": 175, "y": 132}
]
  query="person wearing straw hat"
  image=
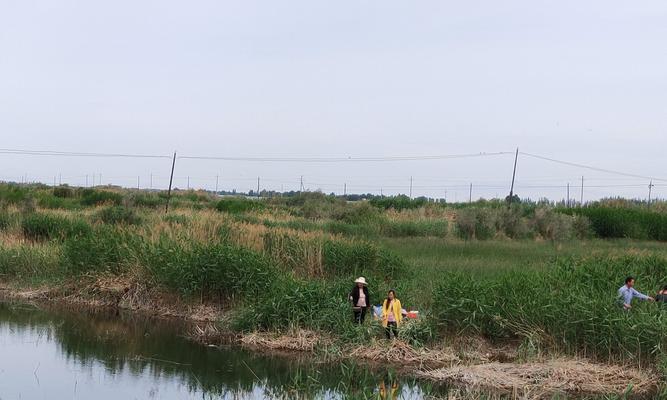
[{"x": 360, "y": 299}]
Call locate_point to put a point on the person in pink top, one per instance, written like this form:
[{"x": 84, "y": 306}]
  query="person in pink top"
[{"x": 360, "y": 299}]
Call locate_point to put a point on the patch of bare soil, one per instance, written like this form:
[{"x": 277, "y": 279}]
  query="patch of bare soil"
[{"x": 538, "y": 380}]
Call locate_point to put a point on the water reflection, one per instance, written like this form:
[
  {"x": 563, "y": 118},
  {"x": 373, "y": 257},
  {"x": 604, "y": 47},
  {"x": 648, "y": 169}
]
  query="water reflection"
[{"x": 75, "y": 354}]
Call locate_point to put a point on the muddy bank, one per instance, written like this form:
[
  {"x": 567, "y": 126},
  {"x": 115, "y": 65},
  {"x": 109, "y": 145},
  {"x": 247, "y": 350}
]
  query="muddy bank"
[{"x": 470, "y": 363}]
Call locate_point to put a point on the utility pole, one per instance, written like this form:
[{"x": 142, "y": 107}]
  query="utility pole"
[
  {"x": 60, "y": 179},
  {"x": 216, "y": 183},
  {"x": 93, "y": 176},
  {"x": 301, "y": 187},
  {"x": 100, "y": 179},
  {"x": 582, "y": 191},
  {"x": 86, "y": 180},
  {"x": 470, "y": 196},
  {"x": 411, "y": 187},
  {"x": 445, "y": 195},
  {"x": 381, "y": 194},
  {"x": 171, "y": 179},
  {"x": 138, "y": 181},
  {"x": 188, "y": 182},
  {"x": 650, "y": 187},
  {"x": 258, "y": 187},
  {"x": 151, "y": 181},
  {"x": 54, "y": 181},
  {"x": 516, "y": 158},
  {"x": 344, "y": 189},
  {"x": 568, "y": 195}
]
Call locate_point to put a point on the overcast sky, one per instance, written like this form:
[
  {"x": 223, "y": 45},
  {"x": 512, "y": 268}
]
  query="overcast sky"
[{"x": 581, "y": 81}]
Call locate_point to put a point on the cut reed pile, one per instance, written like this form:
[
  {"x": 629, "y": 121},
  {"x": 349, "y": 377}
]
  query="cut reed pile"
[
  {"x": 545, "y": 379},
  {"x": 400, "y": 352},
  {"x": 300, "y": 340}
]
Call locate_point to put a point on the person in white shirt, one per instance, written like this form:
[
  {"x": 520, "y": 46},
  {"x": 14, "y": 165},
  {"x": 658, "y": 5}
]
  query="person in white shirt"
[{"x": 627, "y": 292}]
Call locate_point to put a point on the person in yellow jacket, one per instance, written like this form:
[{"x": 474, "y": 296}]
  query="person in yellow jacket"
[{"x": 391, "y": 314}]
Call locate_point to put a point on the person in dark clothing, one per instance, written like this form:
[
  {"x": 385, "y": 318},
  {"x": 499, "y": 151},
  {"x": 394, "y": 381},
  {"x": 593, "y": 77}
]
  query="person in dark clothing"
[
  {"x": 661, "y": 297},
  {"x": 360, "y": 300}
]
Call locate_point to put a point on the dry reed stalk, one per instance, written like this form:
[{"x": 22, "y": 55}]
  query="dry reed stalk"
[
  {"x": 300, "y": 340},
  {"x": 544, "y": 379},
  {"x": 400, "y": 352}
]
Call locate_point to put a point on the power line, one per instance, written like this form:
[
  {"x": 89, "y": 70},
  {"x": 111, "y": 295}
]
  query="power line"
[
  {"x": 608, "y": 171},
  {"x": 348, "y": 159}
]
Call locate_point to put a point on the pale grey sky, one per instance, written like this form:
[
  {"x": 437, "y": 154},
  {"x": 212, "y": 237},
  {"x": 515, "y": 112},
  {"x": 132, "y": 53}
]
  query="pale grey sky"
[{"x": 583, "y": 81}]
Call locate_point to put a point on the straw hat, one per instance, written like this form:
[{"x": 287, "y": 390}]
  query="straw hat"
[{"x": 361, "y": 279}]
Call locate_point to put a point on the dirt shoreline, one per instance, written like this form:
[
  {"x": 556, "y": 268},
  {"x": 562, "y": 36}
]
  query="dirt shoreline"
[{"x": 469, "y": 363}]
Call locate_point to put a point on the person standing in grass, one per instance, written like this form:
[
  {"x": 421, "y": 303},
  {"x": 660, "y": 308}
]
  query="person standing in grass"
[
  {"x": 627, "y": 292},
  {"x": 662, "y": 295},
  {"x": 391, "y": 314},
  {"x": 361, "y": 301}
]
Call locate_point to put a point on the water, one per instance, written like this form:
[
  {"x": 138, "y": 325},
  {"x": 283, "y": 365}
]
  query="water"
[{"x": 80, "y": 354}]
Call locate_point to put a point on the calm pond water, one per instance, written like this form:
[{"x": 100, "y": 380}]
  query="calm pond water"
[{"x": 80, "y": 354}]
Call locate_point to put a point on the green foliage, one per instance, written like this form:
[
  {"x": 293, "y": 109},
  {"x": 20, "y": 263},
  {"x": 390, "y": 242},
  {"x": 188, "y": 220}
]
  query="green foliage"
[
  {"x": 25, "y": 262},
  {"x": 119, "y": 215},
  {"x": 12, "y": 193},
  {"x": 216, "y": 269},
  {"x": 570, "y": 306},
  {"x": 5, "y": 220},
  {"x": 476, "y": 223},
  {"x": 148, "y": 200},
  {"x": 435, "y": 228},
  {"x": 400, "y": 202},
  {"x": 236, "y": 205},
  {"x": 63, "y": 192},
  {"x": 614, "y": 222},
  {"x": 105, "y": 249},
  {"x": 93, "y": 197},
  {"x": 343, "y": 258},
  {"x": 295, "y": 303},
  {"x": 39, "y": 226},
  {"x": 176, "y": 219}
]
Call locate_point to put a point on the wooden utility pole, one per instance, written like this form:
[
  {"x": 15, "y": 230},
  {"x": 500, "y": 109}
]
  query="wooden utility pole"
[
  {"x": 258, "y": 186},
  {"x": 301, "y": 185},
  {"x": 410, "y": 187},
  {"x": 470, "y": 195},
  {"x": 516, "y": 158},
  {"x": 344, "y": 189},
  {"x": 171, "y": 180},
  {"x": 216, "y": 183}
]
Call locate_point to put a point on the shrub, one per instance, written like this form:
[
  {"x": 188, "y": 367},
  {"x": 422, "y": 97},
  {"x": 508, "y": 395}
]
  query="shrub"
[
  {"x": 63, "y": 192},
  {"x": 552, "y": 225},
  {"x": 38, "y": 226},
  {"x": 435, "y": 228},
  {"x": 236, "y": 205},
  {"x": 119, "y": 215},
  {"x": 513, "y": 223},
  {"x": 475, "y": 223},
  {"x": 92, "y": 197}
]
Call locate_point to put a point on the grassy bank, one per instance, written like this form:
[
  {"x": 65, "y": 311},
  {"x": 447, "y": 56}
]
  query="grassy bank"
[{"x": 532, "y": 276}]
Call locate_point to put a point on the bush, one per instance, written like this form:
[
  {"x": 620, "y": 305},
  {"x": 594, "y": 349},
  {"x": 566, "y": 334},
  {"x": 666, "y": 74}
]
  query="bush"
[
  {"x": 38, "y": 226},
  {"x": 93, "y": 197},
  {"x": 552, "y": 225},
  {"x": 400, "y": 202},
  {"x": 435, "y": 228},
  {"x": 63, "y": 192},
  {"x": 236, "y": 205},
  {"x": 513, "y": 223},
  {"x": 119, "y": 215},
  {"x": 475, "y": 223}
]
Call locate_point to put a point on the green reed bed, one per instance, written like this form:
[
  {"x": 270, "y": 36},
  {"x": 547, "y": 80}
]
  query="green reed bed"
[{"x": 569, "y": 306}]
